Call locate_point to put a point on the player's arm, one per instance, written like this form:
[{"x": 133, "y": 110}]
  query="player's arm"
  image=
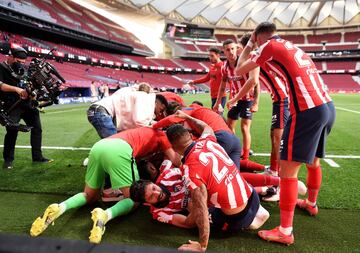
[
  {"x": 203, "y": 79},
  {"x": 174, "y": 157},
  {"x": 256, "y": 73},
  {"x": 196, "y": 124},
  {"x": 244, "y": 64},
  {"x": 250, "y": 83},
  {"x": 9, "y": 88},
  {"x": 182, "y": 221},
  {"x": 220, "y": 94},
  {"x": 201, "y": 217}
]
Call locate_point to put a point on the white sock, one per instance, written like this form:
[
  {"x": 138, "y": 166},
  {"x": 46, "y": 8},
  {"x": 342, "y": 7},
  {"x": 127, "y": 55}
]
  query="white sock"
[
  {"x": 286, "y": 231},
  {"x": 109, "y": 215},
  {"x": 62, "y": 207},
  {"x": 310, "y": 203}
]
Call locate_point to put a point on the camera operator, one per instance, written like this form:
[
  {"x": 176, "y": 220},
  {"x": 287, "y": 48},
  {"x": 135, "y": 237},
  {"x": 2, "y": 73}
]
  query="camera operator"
[{"x": 12, "y": 73}]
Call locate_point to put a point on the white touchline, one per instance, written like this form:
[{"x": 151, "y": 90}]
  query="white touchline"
[
  {"x": 332, "y": 163},
  {"x": 348, "y": 110},
  {"x": 255, "y": 154},
  {"x": 62, "y": 111}
]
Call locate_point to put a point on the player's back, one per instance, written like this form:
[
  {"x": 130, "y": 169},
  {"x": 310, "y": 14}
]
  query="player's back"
[
  {"x": 144, "y": 140},
  {"x": 290, "y": 63},
  {"x": 211, "y": 118},
  {"x": 207, "y": 163}
]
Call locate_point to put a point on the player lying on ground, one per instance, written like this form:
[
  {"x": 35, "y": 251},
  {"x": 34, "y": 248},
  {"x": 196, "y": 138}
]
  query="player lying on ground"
[
  {"x": 212, "y": 177},
  {"x": 166, "y": 193},
  {"x": 116, "y": 156}
]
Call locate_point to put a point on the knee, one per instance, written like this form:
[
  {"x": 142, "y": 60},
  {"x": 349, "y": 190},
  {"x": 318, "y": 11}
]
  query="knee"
[
  {"x": 91, "y": 198},
  {"x": 316, "y": 164}
]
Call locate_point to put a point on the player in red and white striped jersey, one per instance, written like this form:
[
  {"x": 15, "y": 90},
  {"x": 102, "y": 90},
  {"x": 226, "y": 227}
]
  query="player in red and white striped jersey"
[
  {"x": 168, "y": 196},
  {"x": 213, "y": 178},
  {"x": 280, "y": 113},
  {"x": 247, "y": 104},
  {"x": 312, "y": 115}
]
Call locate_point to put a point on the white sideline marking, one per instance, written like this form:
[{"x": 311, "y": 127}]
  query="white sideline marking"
[
  {"x": 327, "y": 156},
  {"x": 51, "y": 147},
  {"x": 348, "y": 110},
  {"x": 332, "y": 163},
  {"x": 255, "y": 154},
  {"x": 75, "y": 109}
]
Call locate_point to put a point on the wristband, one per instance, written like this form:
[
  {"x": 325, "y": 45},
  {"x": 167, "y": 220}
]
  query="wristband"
[{"x": 250, "y": 44}]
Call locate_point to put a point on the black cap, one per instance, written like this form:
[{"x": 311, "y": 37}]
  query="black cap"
[{"x": 18, "y": 52}]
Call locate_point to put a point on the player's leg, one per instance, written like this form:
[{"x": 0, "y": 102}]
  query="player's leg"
[
  {"x": 314, "y": 176},
  {"x": 313, "y": 182},
  {"x": 245, "y": 130},
  {"x": 275, "y": 150},
  {"x": 55, "y": 210},
  {"x": 100, "y": 217},
  {"x": 262, "y": 215},
  {"x": 246, "y": 118},
  {"x": 233, "y": 116},
  {"x": 94, "y": 179},
  {"x": 121, "y": 167}
]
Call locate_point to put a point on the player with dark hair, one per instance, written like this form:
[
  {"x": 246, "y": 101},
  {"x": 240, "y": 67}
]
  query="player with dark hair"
[
  {"x": 212, "y": 177},
  {"x": 214, "y": 76},
  {"x": 116, "y": 156},
  {"x": 247, "y": 104},
  {"x": 280, "y": 112},
  {"x": 312, "y": 115}
]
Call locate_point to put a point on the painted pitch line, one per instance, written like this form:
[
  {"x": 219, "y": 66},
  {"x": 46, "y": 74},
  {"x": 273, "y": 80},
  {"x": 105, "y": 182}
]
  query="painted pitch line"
[
  {"x": 52, "y": 147},
  {"x": 331, "y": 163},
  {"x": 255, "y": 154},
  {"x": 62, "y": 111},
  {"x": 347, "y": 110}
]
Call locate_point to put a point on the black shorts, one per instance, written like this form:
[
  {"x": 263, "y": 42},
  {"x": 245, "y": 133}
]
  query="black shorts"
[
  {"x": 235, "y": 222},
  {"x": 280, "y": 114},
  {"x": 241, "y": 110},
  {"x": 305, "y": 134}
]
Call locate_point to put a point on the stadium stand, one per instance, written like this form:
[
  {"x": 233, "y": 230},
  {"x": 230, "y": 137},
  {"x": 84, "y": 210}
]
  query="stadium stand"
[{"x": 71, "y": 15}]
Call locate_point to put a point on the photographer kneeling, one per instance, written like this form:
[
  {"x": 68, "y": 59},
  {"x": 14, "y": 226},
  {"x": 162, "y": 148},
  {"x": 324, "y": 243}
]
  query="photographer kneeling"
[{"x": 12, "y": 72}]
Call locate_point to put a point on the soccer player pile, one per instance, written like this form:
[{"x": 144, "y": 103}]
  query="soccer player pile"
[{"x": 189, "y": 166}]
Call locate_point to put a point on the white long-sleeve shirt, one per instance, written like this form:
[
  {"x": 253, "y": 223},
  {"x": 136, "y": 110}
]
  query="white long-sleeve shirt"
[{"x": 130, "y": 108}]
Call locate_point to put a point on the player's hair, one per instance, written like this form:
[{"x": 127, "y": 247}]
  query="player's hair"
[
  {"x": 198, "y": 103},
  {"x": 265, "y": 27},
  {"x": 173, "y": 107},
  {"x": 244, "y": 39},
  {"x": 142, "y": 169},
  {"x": 145, "y": 87},
  {"x": 137, "y": 190},
  {"x": 162, "y": 99},
  {"x": 214, "y": 50},
  {"x": 227, "y": 42},
  {"x": 176, "y": 132}
]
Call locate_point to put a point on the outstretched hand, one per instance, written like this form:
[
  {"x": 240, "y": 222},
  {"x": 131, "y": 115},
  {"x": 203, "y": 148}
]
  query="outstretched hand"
[{"x": 192, "y": 246}]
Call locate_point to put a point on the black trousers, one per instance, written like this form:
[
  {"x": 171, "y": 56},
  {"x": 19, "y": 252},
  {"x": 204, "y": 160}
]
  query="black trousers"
[{"x": 32, "y": 118}]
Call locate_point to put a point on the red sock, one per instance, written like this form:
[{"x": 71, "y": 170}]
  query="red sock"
[
  {"x": 250, "y": 165},
  {"x": 274, "y": 165},
  {"x": 313, "y": 182},
  {"x": 288, "y": 197},
  {"x": 260, "y": 179},
  {"x": 245, "y": 155}
]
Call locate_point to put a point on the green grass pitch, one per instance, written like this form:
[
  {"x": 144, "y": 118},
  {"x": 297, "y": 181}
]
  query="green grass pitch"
[{"x": 28, "y": 189}]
